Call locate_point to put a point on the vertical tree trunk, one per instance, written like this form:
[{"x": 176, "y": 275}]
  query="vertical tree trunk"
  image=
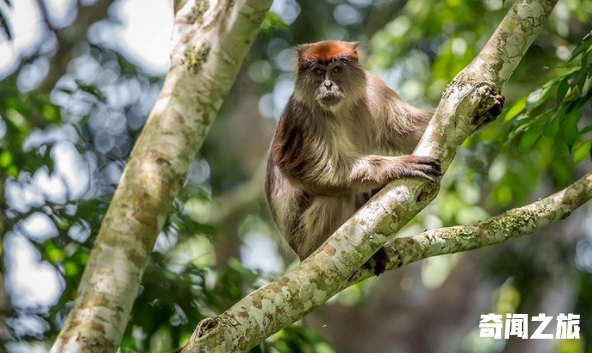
[{"x": 210, "y": 41}]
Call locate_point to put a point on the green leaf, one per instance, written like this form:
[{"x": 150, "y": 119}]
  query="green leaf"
[
  {"x": 190, "y": 192},
  {"x": 549, "y": 123},
  {"x": 515, "y": 109},
  {"x": 50, "y": 113},
  {"x": 71, "y": 269},
  {"x": 586, "y": 130},
  {"x": 576, "y": 104},
  {"x": 5, "y": 159},
  {"x": 584, "y": 45},
  {"x": 569, "y": 128},
  {"x": 55, "y": 255},
  {"x": 272, "y": 22},
  {"x": 583, "y": 72},
  {"x": 562, "y": 90},
  {"x": 530, "y": 137},
  {"x": 551, "y": 127},
  {"x": 581, "y": 151},
  {"x": 540, "y": 96},
  {"x": 12, "y": 171}
]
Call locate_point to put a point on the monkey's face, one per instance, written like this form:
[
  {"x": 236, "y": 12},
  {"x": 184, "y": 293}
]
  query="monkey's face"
[
  {"x": 327, "y": 85},
  {"x": 328, "y": 80}
]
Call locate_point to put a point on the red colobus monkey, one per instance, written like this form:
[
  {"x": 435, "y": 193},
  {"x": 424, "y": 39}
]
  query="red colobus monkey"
[{"x": 321, "y": 166}]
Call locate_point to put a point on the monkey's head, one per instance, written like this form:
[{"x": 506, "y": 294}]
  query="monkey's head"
[{"x": 329, "y": 75}]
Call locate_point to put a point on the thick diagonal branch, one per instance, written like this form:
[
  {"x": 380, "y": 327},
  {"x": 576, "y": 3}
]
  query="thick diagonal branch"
[{"x": 464, "y": 105}]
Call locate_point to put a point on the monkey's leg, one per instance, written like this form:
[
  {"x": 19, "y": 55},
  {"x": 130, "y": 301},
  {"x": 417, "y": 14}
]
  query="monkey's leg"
[
  {"x": 325, "y": 215},
  {"x": 321, "y": 219}
]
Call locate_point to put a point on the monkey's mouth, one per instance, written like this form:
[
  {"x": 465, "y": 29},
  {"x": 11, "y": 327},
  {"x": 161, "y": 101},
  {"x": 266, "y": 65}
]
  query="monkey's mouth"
[{"x": 330, "y": 100}]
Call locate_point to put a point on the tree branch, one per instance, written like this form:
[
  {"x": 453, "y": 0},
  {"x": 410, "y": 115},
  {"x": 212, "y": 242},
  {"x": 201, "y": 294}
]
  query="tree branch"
[
  {"x": 509, "y": 225},
  {"x": 210, "y": 43},
  {"x": 468, "y": 101}
]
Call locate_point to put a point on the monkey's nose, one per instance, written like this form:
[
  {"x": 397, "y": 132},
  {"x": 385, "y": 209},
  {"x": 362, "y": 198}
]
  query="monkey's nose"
[{"x": 328, "y": 84}]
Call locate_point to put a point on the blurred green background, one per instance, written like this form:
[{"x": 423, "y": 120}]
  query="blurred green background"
[{"x": 80, "y": 77}]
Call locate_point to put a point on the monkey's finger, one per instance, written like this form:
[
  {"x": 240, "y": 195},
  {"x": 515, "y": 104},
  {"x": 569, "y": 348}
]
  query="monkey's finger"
[
  {"x": 423, "y": 175},
  {"x": 435, "y": 162},
  {"x": 425, "y": 168},
  {"x": 428, "y": 169},
  {"x": 437, "y": 166}
]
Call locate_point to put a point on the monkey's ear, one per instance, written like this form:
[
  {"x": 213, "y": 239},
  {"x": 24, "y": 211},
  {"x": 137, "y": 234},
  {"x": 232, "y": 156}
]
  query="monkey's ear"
[
  {"x": 296, "y": 60},
  {"x": 359, "y": 49},
  {"x": 302, "y": 54},
  {"x": 300, "y": 49}
]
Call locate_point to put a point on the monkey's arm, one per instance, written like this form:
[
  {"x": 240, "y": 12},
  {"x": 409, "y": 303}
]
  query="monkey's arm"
[
  {"x": 366, "y": 173},
  {"x": 373, "y": 171}
]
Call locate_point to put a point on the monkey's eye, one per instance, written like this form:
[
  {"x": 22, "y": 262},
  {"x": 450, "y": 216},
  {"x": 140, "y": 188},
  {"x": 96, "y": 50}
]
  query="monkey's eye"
[
  {"x": 337, "y": 70},
  {"x": 319, "y": 72}
]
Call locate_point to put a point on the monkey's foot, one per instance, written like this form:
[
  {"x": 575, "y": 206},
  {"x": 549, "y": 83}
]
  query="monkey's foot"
[{"x": 377, "y": 262}]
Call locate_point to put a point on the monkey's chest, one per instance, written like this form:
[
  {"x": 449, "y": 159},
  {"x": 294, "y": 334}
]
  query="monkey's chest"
[{"x": 349, "y": 139}]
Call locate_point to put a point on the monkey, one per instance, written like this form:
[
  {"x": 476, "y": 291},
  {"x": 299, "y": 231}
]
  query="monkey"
[{"x": 321, "y": 167}]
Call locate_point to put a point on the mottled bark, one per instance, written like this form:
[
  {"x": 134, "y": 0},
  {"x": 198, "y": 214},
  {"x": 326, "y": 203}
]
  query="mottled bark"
[
  {"x": 468, "y": 101},
  {"x": 506, "y": 226},
  {"x": 210, "y": 43}
]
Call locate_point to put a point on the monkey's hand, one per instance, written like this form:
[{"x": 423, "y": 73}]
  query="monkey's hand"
[{"x": 416, "y": 166}]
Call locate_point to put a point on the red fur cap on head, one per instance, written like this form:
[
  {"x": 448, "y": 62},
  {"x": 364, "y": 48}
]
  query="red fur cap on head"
[{"x": 327, "y": 51}]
